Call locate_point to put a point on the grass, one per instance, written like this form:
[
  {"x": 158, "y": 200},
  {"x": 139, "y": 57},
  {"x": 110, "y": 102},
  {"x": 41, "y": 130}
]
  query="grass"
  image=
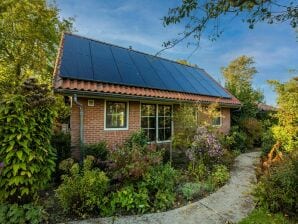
[{"x": 262, "y": 216}]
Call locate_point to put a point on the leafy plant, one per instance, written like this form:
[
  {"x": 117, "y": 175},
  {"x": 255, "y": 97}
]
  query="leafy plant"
[
  {"x": 82, "y": 189},
  {"x": 21, "y": 214},
  {"x": 138, "y": 138},
  {"x": 190, "y": 190},
  {"x": 220, "y": 175},
  {"x": 133, "y": 160},
  {"x": 197, "y": 171},
  {"x": 277, "y": 190},
  {"x": 267, "y": 141},
  {"x": 236, "y": 140},
  {"x": 160, "y": 182},
  {"x": 99, "y": 150},
  {"x": 26, "y": 155},
  {"x": 130, "y": 199}
]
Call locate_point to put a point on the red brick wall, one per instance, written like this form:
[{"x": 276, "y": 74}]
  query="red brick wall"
[{"x": 94, "y": 123}]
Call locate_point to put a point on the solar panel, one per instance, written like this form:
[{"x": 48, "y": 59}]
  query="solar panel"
[{"x": 86, "y": 59}]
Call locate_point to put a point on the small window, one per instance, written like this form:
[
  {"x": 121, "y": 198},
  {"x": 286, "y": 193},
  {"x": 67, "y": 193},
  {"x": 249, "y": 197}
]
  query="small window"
[
  {"x": 116, "y": 115},
  {"x": 148, "y": 121},
  {"x": 217, "y": 120}
]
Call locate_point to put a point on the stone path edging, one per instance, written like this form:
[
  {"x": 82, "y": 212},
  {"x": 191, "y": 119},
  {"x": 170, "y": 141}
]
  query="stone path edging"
[{"x": 229, "y": 204}]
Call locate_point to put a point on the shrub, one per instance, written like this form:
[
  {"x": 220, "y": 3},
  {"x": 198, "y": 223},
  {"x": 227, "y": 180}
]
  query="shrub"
[
  {"x": 27, "y": 213},
  {"x": 129, "y": 199},
  {"x": 253, "y": 128},
  {"x": 220, "y": 175},
  {"x": 26, "y": 155},
  {"x": 99, "y": 150},
  {"x": 191, "y": 190},
  {"x": 83, "y": 189},
  {"x": 137, "y": 138},
  {"x": 132, "y": 161},
  {"x": 267, "y": 141},
  {"x": 205, "y": 147},
  {"x": 197, "y": 171},
  {"x": 160, "y": 182},
  {"x": 277, "y": 190},
  {"x": 237, "y": 139}
]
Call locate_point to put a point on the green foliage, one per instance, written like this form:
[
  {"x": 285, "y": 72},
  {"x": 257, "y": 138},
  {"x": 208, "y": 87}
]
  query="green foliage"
[
  {"x": 137, "y": 138},
  {"x": 191, "y": 190},
  {"x": 60, "y": 141},
  {"x": 262, "y": 216},
  {"x": 197, "y": 171},
  {"x": 83, "y": 189},
  {"x": 267, "y": 141},
  {"x": 160, "y": 182},
  {"x": 130, "y": 200},
  {"x": 278, "y": 190},
  {"x": 27, "y": 213},
  {"x": 236, "y": 140},
  {"x": 286, "y": 131},
  {"x": 253, "y": 128},
  {"x": 220, "y": 175},
  {"x": 26, "y": 155},
  {"x": 30, "y": 33},
  {"x": 185, "y": 119},
  {"x": 99, "y": 150},
  {"x": 133, "y": 160}
]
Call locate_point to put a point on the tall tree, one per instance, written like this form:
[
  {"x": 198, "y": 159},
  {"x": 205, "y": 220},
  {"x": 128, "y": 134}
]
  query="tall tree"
[
  {"x": 286, "y": 131},
  {"x": 238, "y": 77},
  {"x": 206, "y": 16},
  {"x": 29, "y": 36}
]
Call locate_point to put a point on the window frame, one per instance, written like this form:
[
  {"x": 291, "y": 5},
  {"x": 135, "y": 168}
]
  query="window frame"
[
  {"x": 220, "y": 119},
  {"x": 156, "y": 120},
  {"x": 127, "y": 116}
]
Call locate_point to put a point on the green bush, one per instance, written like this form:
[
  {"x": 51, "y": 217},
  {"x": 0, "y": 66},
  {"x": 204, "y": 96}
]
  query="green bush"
[
  {"x": 220, "y": 175},
  {"x": 138, "y": 138},
  {"x": 129, "y": 199},
  {"x": 197, "y": 171},
  {"x": 262, "y": 216},
  {"x": 83, "y": 189},
  {"x": 268, "y": 141},
  {"x": 191, "y": 190},
  {"x": 161, "y": 182},
  {"x": 99, "y": 150},
  {"x": 278, "y": 190},
  {"x": 133, "y": 160},
  {"x": 27, "y": 213},
  {"x": 26, "y": 155},
  {"x": 236, "y": 140}
]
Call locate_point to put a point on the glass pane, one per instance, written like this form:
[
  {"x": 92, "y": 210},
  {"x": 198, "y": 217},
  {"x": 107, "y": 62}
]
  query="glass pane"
[
  {"x": 152, "y": 134},
  {"x": 161, "y": 122},
  {"x": 161, "y": 135},
  {"x": 152, "y": 122},
  {"x": 144, "y": 122},
  {"x": 148, "y": 110},
  {"x": 167, "y": 110},
  {"x": 167, "y": 122},
  {"x": 160, "y": 110},
  {"x": 216, "y": 121},
  {"x": 116, "y": 115},
  {"x": 167, "y": 133}
]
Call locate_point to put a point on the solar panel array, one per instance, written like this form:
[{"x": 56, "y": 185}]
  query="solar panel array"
[{"x": 86, "y": 59}]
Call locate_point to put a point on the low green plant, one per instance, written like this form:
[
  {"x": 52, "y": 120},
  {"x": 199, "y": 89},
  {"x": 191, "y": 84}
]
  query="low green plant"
[
  {"x": 278, "y": 189},
  {"x": 262, "y": 216},
  {"x": 190, "y": 190},
  {"x": 197, "y": 171},
  {"x": 220, "y": 175},
  {"x": 268, "y": 141},
  {"x": 98, "y": 150},
  {"x": 83, "y": 188},
  {"x": 21, "y": 214},
  {"x": 161, "y": 181},
  {"x": 129, "y": 199},
  {"x": 236, "y": 139},
  {"x": 138, "y": 138}
]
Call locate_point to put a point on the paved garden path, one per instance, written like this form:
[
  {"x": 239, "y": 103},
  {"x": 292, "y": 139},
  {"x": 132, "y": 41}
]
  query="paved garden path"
[{"x": 229, "y": 204}]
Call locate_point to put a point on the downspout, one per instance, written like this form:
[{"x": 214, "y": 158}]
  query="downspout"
[{"x": 75, "y": 99}]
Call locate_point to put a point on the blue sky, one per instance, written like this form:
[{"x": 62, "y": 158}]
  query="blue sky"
[{"x": 138, "y": 23}]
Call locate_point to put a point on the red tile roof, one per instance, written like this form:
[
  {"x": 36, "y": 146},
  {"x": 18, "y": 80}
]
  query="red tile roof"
[{"x": 62, "y": 84}]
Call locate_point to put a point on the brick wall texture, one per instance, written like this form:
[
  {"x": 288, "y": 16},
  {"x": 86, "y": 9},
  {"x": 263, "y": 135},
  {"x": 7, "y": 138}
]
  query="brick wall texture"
[{"x": 94, "y": 123}]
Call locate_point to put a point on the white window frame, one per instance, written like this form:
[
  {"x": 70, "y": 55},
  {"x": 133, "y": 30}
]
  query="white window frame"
[
  {"x": 127, "y": 116},
  {"x": 220, "y": 119},
  {"x": 156, "y": 125}
]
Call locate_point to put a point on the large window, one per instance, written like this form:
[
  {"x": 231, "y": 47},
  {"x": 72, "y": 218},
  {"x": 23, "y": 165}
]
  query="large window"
[
  {"x": 116, "y": 115},
  {"x": 156, "y": 121}
]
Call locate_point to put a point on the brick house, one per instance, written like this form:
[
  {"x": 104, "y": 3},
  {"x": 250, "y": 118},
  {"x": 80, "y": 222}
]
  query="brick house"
[{"x": 116, "y": 91}]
